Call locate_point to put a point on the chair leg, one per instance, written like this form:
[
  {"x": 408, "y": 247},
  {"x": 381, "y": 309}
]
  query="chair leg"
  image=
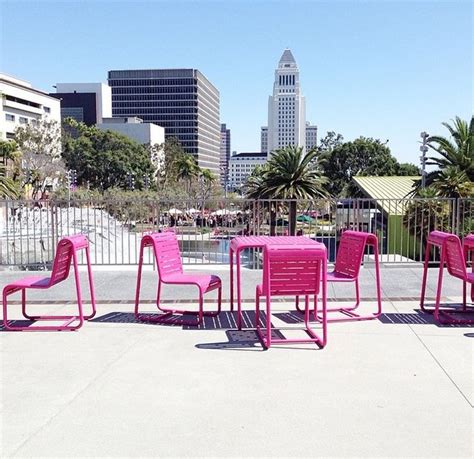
[
  {"x": 201, "y": 305},
  {"x": 91, "y": 286},
  {"x": 257, "y": 309},
  {"x": 425, "y": 276},
  {"x": 78, "y": 293},
  {"x": 269, "y": 322},
  {"x": 139, "y": 281},
  {"x": 438, "y": 290},
  {"x": 23, "y": 306},
  {"x": 464, "y": 291}
]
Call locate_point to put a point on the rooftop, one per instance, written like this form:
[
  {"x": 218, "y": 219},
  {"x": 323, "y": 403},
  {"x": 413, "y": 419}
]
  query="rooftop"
[
  {"x": 387, "y": 190},
  {"x": 398, "y": 386}
]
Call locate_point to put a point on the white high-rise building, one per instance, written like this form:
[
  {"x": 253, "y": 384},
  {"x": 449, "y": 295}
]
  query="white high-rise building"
[
  {"x": 311, "y": 136},
  {"x": 286, "y": 107},
  {"x": 264, "y": 139}
]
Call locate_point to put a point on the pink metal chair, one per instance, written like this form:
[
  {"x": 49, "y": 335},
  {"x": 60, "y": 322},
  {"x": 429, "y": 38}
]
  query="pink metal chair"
[
  {"x": 170, "y": 271},
  {"x": 349, "y": 259},
  {"x": 451, "y": 254},
  {"x": 291, "y": 270},
  {"x": 66, "y": 252}
]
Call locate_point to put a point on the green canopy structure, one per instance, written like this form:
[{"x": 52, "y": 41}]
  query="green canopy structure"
[{"x": 304, "y": 219}]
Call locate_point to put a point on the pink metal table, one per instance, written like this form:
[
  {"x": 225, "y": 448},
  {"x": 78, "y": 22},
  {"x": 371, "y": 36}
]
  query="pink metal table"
[{"x": 249, "y": 242}]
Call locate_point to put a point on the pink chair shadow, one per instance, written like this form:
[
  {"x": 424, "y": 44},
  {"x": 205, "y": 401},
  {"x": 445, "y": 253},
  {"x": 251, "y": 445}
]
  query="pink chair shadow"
[
  {"x": 291, "y": 270},
  {"x": 170, "y": 271},
  {"x": 349, "y": 259},
  {"x": 66, "y": 252},
  {"x": 453, "y": 256}
]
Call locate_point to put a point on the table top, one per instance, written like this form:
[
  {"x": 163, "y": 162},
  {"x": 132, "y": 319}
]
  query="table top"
[
  {"x": 468, "y": 241},
  {"x": 243, "y": 242}
]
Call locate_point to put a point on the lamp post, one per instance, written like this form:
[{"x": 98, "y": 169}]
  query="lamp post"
[
  {"x": 423, "y": 148},
  {"x": 131, "y": 181},
  {"x": 71, "y": 182}
]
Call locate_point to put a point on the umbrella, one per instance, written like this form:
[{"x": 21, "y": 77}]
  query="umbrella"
[
  {"x": 174, "y": 211},
  {"x": 304, "y": 219},
  {"x": 193, "y": 211},
  {"x": 222, "y": 212}
]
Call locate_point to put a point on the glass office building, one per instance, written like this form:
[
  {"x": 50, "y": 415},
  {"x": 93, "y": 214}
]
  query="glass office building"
[{"x": 183, "y": 101}]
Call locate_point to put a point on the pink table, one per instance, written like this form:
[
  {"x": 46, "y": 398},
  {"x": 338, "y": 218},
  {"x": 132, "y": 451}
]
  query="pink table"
[{"x": 247, "y": 242}]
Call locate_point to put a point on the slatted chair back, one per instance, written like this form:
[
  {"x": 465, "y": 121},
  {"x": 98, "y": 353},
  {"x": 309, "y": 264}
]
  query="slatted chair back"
[
  {"x": 167, "y": 254},
  {"x": 62, "y": 262},
  {"x": 351, "y": 253},
  {"x": 454, "y": 254},
  {"x": 292, "y": 270}
]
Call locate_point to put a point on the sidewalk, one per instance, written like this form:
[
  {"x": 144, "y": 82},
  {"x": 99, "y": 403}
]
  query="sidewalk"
[{"x": 399, "y": 386}]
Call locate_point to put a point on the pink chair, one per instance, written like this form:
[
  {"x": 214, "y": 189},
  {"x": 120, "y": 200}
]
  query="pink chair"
[
  {"x": 170, "y": 271},
  {"x": 451, "y": 254},
  {"x": 290, "y": 270},
  {"x": 349, "y": 259},
  {"x": 66, "y": 252}
]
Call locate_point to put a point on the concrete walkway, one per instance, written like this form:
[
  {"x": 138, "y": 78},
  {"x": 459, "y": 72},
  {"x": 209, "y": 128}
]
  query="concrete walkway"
[{"x": 399, "y": 386}]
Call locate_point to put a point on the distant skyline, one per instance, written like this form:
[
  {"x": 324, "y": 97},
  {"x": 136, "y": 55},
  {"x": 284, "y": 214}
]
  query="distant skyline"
[{"x": 382, "y": 69}]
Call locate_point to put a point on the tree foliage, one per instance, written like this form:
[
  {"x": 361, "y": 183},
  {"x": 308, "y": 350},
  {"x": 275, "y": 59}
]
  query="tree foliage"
[
  {"x": 40, "y": 145},
  {"x": 105, "y": 159},
  {"x": 454, "y": 176},
  {"x": 290, "y": 173},
  {"x": 341, "y": 161}
]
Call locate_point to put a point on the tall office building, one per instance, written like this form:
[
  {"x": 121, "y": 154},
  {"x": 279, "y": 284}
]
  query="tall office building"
[
  {"x": 85, "y": 102},
  {"x": 225, "y": 154},
  {"x": 183, "y": 101},
  {"x": 286, "y": 107},
  {"x": 264, "y": 139},
  {"x": 311, "y": 136}
]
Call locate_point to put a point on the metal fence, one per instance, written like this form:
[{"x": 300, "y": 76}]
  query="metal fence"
[{"x": 29, "y": 231}]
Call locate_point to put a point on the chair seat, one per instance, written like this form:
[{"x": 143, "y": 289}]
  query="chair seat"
[
  {"x": 31, "y": 282},
  {"x": 339, "y": 277},
  {"x": 205, "y": 282}
]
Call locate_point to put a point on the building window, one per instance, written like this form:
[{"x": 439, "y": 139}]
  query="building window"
[
  {"x": 23, "y": 120},
  {"x": 9, "y": 117},
  {"x": 46, "y": 109}
]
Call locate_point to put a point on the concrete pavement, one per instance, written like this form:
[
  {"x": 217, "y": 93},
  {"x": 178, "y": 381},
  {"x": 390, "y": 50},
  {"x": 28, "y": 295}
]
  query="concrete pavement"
[{"x": 399, "y": 386}]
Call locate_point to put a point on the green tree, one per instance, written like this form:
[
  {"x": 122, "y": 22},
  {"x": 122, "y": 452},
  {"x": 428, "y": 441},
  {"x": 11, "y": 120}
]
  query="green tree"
[
  {"x": 172, "y": 154},
  {"x": 428, "y": 214},
  {"x": 291, "y": 174},
  {"x": 10, "y": 169},
  {"x": 454, "y": 176},
  {"x": 187, "y": 170},
  {"x": 363, "y": 156},
  {"x": 104, "y": 159},
  {"x": 407, "y": 169},
  {"x": 40, "y": 146}
]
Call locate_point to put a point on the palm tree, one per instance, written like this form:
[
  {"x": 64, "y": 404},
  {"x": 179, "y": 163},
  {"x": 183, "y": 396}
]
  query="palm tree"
[
  {"x": 455, "y": 161},
  {"x": 8, "y": 187},
  {"x": 291, "y": 174},
  {"x": 187, "y": 169}
]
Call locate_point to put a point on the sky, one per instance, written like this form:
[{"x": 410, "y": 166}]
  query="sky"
[{"x": 381, "y": 69}]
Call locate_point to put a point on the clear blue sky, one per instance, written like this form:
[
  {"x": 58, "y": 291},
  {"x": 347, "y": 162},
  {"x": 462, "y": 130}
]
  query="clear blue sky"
[{"x": 383, "y": 69}]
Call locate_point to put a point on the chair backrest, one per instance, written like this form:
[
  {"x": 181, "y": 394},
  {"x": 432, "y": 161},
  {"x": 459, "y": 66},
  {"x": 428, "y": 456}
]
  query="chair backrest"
[
  {"x": 167, "y": 253},
  {"x": 293, "y": 270},
  {"x": 62, "y": 261},
  {"x": 351, "y": 252},
  {"x": 454, "y": 257}
]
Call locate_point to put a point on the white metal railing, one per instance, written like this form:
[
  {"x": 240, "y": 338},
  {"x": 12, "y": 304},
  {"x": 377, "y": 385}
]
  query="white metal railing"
[{"x": 29, "y": 231}]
